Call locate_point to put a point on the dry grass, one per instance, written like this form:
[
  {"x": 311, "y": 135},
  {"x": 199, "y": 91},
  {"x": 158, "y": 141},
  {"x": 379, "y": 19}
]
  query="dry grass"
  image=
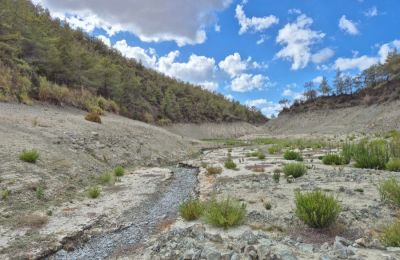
[
  {"x": 93, "y": 117},
  {"x": 32, "y": 220}
]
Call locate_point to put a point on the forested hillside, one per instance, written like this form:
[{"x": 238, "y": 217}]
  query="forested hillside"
[
  {"x": 378, "y": 84},
  {"x": 44, "y": 59}
]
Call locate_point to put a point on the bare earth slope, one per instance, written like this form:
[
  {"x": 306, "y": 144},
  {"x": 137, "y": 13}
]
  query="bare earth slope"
[{"x": 359, "y": 119}]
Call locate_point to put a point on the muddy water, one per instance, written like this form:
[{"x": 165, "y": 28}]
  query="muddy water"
[{"x": 145, "y": 219}]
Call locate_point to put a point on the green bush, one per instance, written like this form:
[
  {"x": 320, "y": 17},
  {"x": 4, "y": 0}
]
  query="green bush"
[
  {"x": 347, "y": 152},
  {"x": 105, "y": 178},
  {"x": 316, "y": 209},
  {"x": 94, "y": 192},
  {"x": 390, "y": 236},
  {"x": 93, "y": 117},
  {"x": 371, "y": 154},
  {"x": 40, "y": 193},
  {"x": 191, "y": 209},
  {"x": 393, "y": 165},
  {"x": 214, "y": 170},
  {"x": 261, "y": 155},
  {"x": 292, "y": 155},
  {"x": 294, "y": 169},
  {"x": 277, "y": 175},
  {"x": 230, "y": 164},
  {"x": 225, "y": 213},
  {"x": 390, "y": 191},
  {"x": 274, "y": 149},
  {"x": 119, "y": 171},
  {"x": 333, "y": 159},
  {"x": 4, "y": 194},
  {"x": 30, "y": 156}
]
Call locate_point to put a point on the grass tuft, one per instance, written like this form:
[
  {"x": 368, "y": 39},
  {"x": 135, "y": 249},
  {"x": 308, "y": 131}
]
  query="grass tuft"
[
  {"x": 93, "y": 192},
  {"x": 106, "y": 178},
  {"x": 390, "y": 191},
  {"x": 214, "y": 170},
  {"x": 294, "y": 169},
  {"x": 292, "y": 155},
  {"x": 191, "y": 209},
  {"x": 30, "y": 156},
  {"x": 390, "y": 236},
  {"x": 393, "y": 165},
  {"x": 316, "y": 208},
  {"x": 230, "y": 164},
  {"x": 93, "y": 117},
  {"x": 333, "y": 159},
  {"x": 119, "y": 171},
  {"x": 225, "y": 213}
]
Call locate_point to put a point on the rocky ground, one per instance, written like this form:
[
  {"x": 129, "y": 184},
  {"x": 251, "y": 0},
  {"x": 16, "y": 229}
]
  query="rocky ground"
[{"x": 276, "y": 233}]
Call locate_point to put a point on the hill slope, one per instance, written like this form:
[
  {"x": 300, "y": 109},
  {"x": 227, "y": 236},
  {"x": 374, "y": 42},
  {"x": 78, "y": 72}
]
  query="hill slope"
[{"x": 43, "y": 58}]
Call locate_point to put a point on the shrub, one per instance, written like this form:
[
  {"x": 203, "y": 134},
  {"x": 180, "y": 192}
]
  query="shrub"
[
  {"x": 94, "y": 192},
  {"x": 261, "y": 155},
  {"x": 371, "y": 155},
  {"x": 333, "y": 159},
  {"x": 32, "y": 220},
  {"x": 258, "y": 168},
  {"x": 277, "y": 175},
  {"x": 225, "y": 213},
  {"x": 5, "y": 194},
  {"x": 105, "y": 178},
  {"x": 40, "y": 193},
  {"x": 268, "y": 205},
  {"x": 347, "y": 152},
  {"x": 191, "y": 209},
  {"x": 30, "y": 156},
  {"x": 93, "y": 117},
  {"x": 274, "y": 149},
  {"x": 393, "y": 165},
  {"x": 230, "y": 164},
  {"x": 294, "y": 169},
  {"x": 292, "y": 155},
  {"x": 119, "y": 171},
  {"x": 390, "y": 191},
  {"x": 390, "y": 236},
  {"x": 316, "y": 209},
  {"x": 214, "y": 170}
]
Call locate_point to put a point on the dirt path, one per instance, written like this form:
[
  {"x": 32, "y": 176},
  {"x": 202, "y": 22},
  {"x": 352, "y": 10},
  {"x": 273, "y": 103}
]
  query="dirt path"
[{"x": 145, "y": 220}]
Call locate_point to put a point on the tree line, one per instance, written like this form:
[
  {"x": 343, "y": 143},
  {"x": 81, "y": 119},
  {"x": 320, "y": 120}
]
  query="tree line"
[{"x": 44, "y": 58}]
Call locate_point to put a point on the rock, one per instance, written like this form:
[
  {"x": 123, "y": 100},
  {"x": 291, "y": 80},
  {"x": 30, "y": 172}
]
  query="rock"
[
  {"x": 210, "y": 254},
  {"x": 340, "y": 249},
  {"x": 325, "y": 246},
  {"x": 361, "y": 242},
  {"x": 287, "y": 255},
  {"x": 235, "y": 256},
  {"x": 215, "y": 238},
  {"x": 306, "y": 248},
  {"x": 393, "y": 249},
  {"x": 188, "y": 255},
  {"x": 249, "y": 237},
  {"x": 343, "y": 241},
  {"x": 226, "y": 255},
  {"x": 263, "y": 251},
  {"x": 324, "y": 257},
  {"x": 351, "y": 250}
]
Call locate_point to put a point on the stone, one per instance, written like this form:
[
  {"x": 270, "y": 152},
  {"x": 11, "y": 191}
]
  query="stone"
[
  {"x": 215, "y": 238},
  {"x": 287, "y": 255},
  {"x": 324, "y": 257},
  {"x": 263, "y": 250},
  {"x": 393, "y": 249},
  {"x": 188, "y": 255},
  {"x": 361, "y": 242},
  {"x": 306, "y": 248},
  {"x": 235, "y": 256},
  {"x": 226, "y": 255},
  {"x": 343, "y": 241},
  {"x": 249, "y": 237},
  {"x": 340, "y": 249}
]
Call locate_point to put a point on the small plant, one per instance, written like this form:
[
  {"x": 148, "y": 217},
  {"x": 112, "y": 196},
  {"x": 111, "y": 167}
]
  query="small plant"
[
  {"x": 360, "y": 190},
  {"x": 93, "y": 117},
  {"x": 261, "y": 155},
  {"x": 119, "y": 171},
  {"x": 316, "y": 208},
  {"x": 390, "y": 236},
  {"x": 295, "y": 170},
  {"x": 292, "y": 155},
  {"x": 393, "y": 165},
  {"x": 277, "y": 175},
  {"x": 5, "y": 194},
  {"x": 333, "y": 159},
  {"x": 93, "y": 192},
  {"x": 225, "y": 213},
  {"x": 39, "y": 193},
  {"x": 274, "y": 149},
  {"x": 390, "y": 191},
  {"x": 258, "y": 168},
  {"x": 204, "y": 165},
  {"x": 213, "y": 170},
  {"x": 229, "y": 150},
  {"x": 30, "y": 156},
  {"x": 191, "y": 209},
  {"x": 371, "y": 154},
  {"x": 105, "y": 178},
  {"x": 268, "y": 205},
  {"x": 230, "y": 164},
  {"x": 32, "y": 220}
]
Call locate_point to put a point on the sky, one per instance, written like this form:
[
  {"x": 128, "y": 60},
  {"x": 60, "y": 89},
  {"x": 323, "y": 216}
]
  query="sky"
[{"x": 254, "y": 51}]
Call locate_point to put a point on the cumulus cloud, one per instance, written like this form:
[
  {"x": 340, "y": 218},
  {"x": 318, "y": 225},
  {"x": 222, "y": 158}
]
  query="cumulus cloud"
[
  {"x": 255, "y": 24},
  {"x": 373, "y": 11},
  {"x": 248, "y": 82},
  {"x": 267, "y": 107},
  {"x": 317, "y": 80},
  {"x": 256, "y": 102},
  {"x": 289, "y": 93},
  {"x": 151, "y": 20},
  {"x": 322, "y": 55},
  {"x": 348, "y": 26},
  {"x": 297, "y": 37},
  {"x": 233, "y": 65},
  {"x": 386, "y": 48},
  {"x": 147, "y": 57},
  {"x": 105, "y": 40}
]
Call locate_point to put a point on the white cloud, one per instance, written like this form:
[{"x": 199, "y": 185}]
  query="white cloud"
[
  {"x": 105, "y": 40},
  {"x": 197, "y": 70},
  {"x": 147, "y": 57},
  {"x": 256, "y": 102},
  {"x": 233, "y": 65},
  {"x": 317, "y": 80},
  {"x": 360, "y": 63},
  {"x": 248, "y": 82},
  {"x": 267, "y": 107},
  {"x": 255, "y": 24},
  {"x": 297, "y": 38},
  {"x": 386, "y": 48},
  {"x": 373, "y": 11},
  {"x": 322, "y": 55},
  {"x": 292, "y": 94},
  {"x": 229, "y": 97},
  {"x": 348, "y": 26},
  {"x": 294, "y": 11},
  {"x": 150, "y": 20},
  {"x": 217, "y": 28}
]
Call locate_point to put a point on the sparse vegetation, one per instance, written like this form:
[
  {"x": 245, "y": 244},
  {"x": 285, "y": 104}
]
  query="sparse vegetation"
[
  {"x": 106, "y": 178},
  {"x": 258, "y": 168},
  {"x": 261, "y": 155},
  {"x": 268, "y": 205},
  {"x": 390, "y": 236},
  {"x": 94, "y": 192},
  {"x": 230, "y": 164},
  {"x": 32, "y": 220},
  {"x": 211, "y": 170},
  {"x": 30, "y": 156},
  {"x": 93, "y": 117},
  {"x": 295, "y": 170},
  {"x": 292, "y": 155},
  {"x": 360, "y": 190},
  {"x": 274, "y": 149},
  {"x": 333, "y": 159},
  {"x": 390, "y": 191},
  {"x": 393, "y": 165},
  {"x": 277, "y": 175},
  {"x": 39, "y": 193},
  {"x": 225, "y": 213},
  {"x": 119, "y": 171},
  {"x": 191, "y": 209},
  {"x": 5, "y": 194},
  {"x": 316, "y": 208}
]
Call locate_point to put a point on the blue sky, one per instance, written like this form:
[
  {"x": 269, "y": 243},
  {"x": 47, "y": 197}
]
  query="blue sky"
[{"x": 254, "y": 51}]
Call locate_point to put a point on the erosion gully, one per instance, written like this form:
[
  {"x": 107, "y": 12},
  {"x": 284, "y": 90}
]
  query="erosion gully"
[{"x": 145, "y": 220}]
